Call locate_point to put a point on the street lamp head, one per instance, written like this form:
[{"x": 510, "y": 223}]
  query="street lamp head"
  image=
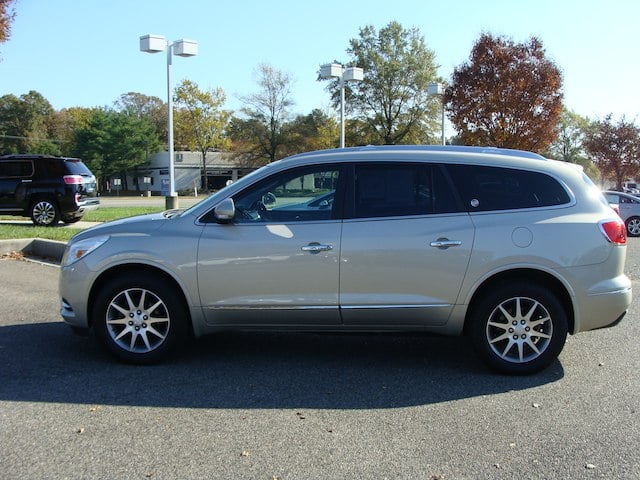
[
  {"x": 185, "y": 48},
  {"x": 153, "y": 43},
  {"x": 335, "y": 70},
  {"x": 355, "y": 74},
  {"x": 435, "y": 88},
  {"x": 331, "y": 70}
]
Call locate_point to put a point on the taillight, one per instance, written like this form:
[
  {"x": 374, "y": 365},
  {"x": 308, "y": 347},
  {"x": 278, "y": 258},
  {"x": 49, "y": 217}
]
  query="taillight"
[
  {"x": 614, "y": 231},
  {"x": 73, "y": 179}
]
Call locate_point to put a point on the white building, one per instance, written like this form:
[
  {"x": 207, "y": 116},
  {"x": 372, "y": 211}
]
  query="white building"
[{"x": 154, "y": 177}]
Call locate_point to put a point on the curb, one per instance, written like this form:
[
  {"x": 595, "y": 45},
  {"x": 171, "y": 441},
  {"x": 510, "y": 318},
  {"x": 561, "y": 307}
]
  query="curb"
[{"x": 35, "y": 247}]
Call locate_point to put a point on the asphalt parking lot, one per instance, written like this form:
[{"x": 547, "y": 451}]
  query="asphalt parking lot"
[{"x": 306, "y": 406}]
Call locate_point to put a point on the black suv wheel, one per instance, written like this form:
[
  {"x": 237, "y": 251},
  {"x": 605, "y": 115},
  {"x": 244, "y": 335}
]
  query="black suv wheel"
[{"x": 44, "y": 212}]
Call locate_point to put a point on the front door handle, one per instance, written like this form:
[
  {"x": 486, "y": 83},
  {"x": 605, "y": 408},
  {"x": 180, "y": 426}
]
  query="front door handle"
[
  {"x": 315, "y": 247},
  {"x": 444, "y": 243}
]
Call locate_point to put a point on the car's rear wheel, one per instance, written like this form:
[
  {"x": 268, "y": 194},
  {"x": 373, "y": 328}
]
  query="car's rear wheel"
[
  {"x": 633, "y": 226},
  {"x": 519, "y": 328},
  {"x": 44, "y": 212},
  {"x": 139, "y": 318}
]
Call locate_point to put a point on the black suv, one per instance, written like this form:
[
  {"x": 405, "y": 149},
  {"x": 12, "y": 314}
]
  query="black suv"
[{"x": 46, "y": 188}]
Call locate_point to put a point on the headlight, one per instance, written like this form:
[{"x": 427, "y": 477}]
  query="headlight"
[{"x": 77, "y": 250}]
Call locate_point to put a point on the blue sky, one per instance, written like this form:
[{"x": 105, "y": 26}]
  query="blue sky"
[{"x": 86, "y": 52}]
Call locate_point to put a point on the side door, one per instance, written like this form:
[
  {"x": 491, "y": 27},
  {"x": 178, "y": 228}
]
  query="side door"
[
  {"x": 15, "y": 179},
  {"x": 276, "y": 263},
  {"x": 405, "y": 249}
]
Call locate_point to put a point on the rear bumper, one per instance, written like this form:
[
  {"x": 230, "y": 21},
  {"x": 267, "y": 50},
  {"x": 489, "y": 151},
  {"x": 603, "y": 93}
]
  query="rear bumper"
[
  {"x": 82, "y": 208},
  {"x": 603, "y": 309}
]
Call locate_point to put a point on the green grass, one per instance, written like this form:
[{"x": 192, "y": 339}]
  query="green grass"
[
  {"x": 10, "y": 231},
  {"x": 114, "y": 213}
]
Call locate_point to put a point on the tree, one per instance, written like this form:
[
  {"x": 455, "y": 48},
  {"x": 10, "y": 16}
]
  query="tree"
[
  {"x": 316, "y": 131},
  {"x": 615, "y": 149},
  {"x": 267, "y": 113},
  {"x": 145, "y": 106},
  {"x": 25, "y": 124},
  {"x": 392, "y": 100},
  {"x": 508, "y": 95},
  {"x": 7, "y": 15},
  {"x": 201, "y": 123},
  {"x": 114, "y": 143},
  {"x": 63, "y": 126},
  {"x": 570, "y": 134}
]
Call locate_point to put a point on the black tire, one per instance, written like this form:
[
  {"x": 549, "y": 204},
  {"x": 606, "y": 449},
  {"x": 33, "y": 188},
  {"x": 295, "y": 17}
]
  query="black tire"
[
  {"x": 519, "y": 329},
  {"x": 139, "y": 318},
  {"x": 44, "y": 212},
  {"x": 633, "y": 227}
]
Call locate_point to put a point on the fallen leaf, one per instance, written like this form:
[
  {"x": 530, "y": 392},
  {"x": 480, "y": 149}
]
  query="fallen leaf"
[
  {"x": 244, "y": 453},
  {"x": 589, "y": 466}
]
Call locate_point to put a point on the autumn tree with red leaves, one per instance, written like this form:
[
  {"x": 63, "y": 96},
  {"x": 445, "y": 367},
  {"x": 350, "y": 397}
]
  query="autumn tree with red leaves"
[
  {"x": 7, "y": 14},
  {"x": 615, "y": 149},
  {"x": 507, "y": 95}
]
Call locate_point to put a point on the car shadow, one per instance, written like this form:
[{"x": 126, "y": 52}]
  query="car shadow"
[{"x": 45, "y": 362}]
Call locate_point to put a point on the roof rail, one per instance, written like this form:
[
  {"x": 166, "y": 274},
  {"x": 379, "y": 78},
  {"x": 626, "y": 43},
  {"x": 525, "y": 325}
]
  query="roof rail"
[{"x": 442, "y": 148}]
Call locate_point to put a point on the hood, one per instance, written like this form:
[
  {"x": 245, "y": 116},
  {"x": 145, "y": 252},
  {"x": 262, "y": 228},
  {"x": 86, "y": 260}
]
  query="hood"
[{"x": 138, "y": 225}]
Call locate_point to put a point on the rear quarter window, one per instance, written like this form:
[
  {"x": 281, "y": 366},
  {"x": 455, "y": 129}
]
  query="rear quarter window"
[
  {"x": 496, "y": 188},
  {"x": 61, "y": 167}
]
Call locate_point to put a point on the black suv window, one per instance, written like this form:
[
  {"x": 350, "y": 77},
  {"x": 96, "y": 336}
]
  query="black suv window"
[
  {"x": 16, "y": 168},
  {"x": 69, "y": 166},
  {"x": 495, "y": 188},
  {"x": 387, "y": 190}
]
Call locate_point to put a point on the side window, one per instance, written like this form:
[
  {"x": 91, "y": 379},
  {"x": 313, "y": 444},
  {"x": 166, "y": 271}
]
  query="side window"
[
  {"x": 495, "y": 188},
  {"x": 16, "y": 169},
  {"x": 296, "y": 195},
  {"x": 387, "y": 190}
]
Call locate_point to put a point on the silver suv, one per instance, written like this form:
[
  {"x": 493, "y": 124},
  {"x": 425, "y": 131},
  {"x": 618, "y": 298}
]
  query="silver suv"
[{"x": 507, "y": 247}]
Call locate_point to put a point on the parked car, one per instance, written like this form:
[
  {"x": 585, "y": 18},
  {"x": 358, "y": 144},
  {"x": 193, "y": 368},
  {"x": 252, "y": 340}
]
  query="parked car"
[
  {"x": 46, "y": 188},
  {"x": 628, "y": 207},
  {"x": 448, "y": 240}
]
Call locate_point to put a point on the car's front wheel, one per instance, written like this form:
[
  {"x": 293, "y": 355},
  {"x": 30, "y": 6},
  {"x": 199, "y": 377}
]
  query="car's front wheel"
[
  {"x": 139, "y": 318},
  {"x": 519, "y": 328},
  {"x": 44, "y": 212},
  {"x": 633, "y": 226}
]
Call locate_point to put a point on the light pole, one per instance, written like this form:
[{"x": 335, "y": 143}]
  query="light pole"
[
  {"x": 344, "y": 74},
  {"x": 182, "y": 48},
  {"x": 435, "y": 88}
]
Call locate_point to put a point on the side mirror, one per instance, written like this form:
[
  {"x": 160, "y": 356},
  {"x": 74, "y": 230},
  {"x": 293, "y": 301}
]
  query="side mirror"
[
  {"x": 269, "y": 199},
  {"x": 225, "y": 210}
]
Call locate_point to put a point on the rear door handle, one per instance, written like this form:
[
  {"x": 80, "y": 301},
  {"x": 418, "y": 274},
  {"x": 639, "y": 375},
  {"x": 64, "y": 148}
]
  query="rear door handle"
[
  {"x": 315, "y": 247},
  {"x": 444, "y": 243}
]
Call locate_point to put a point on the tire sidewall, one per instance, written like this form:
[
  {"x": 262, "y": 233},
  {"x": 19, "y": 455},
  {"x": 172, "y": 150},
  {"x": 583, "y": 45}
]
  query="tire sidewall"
[
  {"x": 483, "y": 310},
  {"x": 172, "y": 301}
]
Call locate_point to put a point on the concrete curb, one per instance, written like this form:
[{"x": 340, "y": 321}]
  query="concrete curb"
[{"x": 36, "y": 247}]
